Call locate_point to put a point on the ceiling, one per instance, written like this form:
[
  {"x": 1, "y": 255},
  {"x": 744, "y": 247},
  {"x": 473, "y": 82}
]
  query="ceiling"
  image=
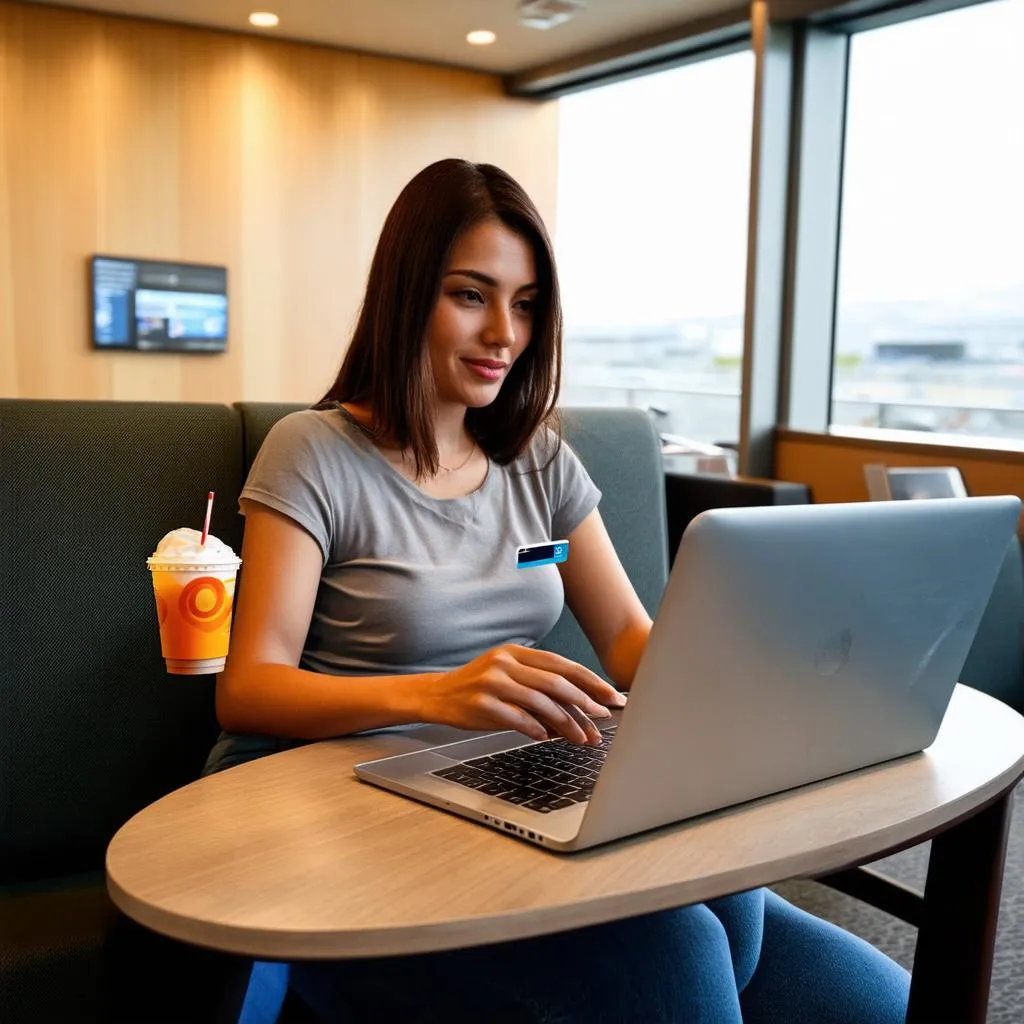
[{"x": 431, "y": 30}]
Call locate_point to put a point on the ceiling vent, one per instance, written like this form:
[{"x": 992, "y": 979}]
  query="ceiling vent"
[{"x": 548, "y": 13}]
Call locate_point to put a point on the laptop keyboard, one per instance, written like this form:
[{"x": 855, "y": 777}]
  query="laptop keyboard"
[{"x": 543, "y": 777}]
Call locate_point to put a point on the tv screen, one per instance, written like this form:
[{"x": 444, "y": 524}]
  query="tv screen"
[{"x": 155, "y": 306}]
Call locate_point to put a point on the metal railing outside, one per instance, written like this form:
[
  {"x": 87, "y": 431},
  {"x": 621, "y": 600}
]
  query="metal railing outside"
[{"x": 712, "y": 414}]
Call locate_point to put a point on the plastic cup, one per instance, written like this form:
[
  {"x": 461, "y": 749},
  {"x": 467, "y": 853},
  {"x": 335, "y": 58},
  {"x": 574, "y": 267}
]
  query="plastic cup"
[{"x": 193, "y": 605}]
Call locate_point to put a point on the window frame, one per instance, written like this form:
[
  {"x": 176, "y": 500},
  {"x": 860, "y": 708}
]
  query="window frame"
[
  {"x": 821, "y": 84},
  {"x": 801, "y": 82}
]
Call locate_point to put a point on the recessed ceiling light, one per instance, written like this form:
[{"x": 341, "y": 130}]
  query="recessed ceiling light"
[
  {"x": 481, "y": 37},
  {"x": 263, "y": 19}
]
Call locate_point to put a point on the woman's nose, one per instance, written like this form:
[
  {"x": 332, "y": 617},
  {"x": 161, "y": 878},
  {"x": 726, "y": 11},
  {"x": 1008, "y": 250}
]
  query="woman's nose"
[{"x": 499, "y": 329}]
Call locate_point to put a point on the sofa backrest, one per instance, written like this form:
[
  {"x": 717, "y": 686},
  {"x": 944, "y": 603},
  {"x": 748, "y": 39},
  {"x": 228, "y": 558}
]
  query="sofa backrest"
[
  {"x": 257, "y": 419},
  {"x": 620, "y": 449},
  {"x": 92, "y": 728}
]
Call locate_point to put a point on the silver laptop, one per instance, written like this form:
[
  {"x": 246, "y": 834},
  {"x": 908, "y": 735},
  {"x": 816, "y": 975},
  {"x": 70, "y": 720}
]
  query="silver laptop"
[{"x": 792, "y": 644}]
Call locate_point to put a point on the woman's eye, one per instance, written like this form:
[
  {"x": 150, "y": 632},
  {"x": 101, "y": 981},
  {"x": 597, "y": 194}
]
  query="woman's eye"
[
  {"x": 470, "y": 295},
  {"x": 525, "y": 305}
]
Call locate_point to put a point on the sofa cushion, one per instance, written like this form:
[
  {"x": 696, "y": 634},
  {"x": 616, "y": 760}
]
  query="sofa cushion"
[
  {"x": 68, "y": 954},
  {"x": 91, "y": 726},
  {"x": 51, "y": 953}
]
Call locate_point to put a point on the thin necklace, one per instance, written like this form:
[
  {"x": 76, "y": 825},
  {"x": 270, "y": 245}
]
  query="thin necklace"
[
  {"x": 369, "y": 433},
  {"x": 455, "y": 469}
]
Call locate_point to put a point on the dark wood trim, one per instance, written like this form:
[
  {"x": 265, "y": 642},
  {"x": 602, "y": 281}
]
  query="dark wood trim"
[
  {"x": 956, "y": 940},
  {"x": 957, "y": 915},
  {"x": 858, "y": 15},
  {"x": 690, "y": 40},
  {"x": 870, "y": 886}
]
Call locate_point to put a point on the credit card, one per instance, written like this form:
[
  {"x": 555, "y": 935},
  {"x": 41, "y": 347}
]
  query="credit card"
[{"x": 548, "y": 552}]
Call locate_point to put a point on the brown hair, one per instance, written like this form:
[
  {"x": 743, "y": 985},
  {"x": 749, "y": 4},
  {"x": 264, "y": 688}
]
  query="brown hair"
[{"x": 387, "y": 364}]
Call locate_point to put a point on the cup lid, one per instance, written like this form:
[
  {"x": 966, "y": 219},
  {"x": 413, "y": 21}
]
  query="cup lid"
[{"x": 184, "y": 566}]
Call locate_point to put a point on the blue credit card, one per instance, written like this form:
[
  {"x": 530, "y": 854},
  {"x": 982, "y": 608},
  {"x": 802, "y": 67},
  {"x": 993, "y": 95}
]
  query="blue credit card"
[{"x": 548, "y": 552}]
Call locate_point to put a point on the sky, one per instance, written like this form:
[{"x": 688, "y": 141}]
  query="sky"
[
  {"x": 654, "y": 177},
  {"x": 652, "y": 194},
  {"x": 934, "y": 202}
]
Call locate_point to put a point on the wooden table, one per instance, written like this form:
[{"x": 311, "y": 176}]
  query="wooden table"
[{"x": 290, "y": 857}]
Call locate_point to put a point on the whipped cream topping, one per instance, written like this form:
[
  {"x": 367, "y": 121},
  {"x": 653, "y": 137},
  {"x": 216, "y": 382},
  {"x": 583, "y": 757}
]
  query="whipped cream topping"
[{"x": 182, "y": 546}]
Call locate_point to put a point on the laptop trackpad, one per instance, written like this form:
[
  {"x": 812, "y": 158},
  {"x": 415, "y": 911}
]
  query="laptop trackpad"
[{"x": 421, "y": 761}]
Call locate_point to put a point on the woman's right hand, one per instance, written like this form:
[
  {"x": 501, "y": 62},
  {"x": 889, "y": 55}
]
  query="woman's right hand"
[{"x": 538, "y": 693}]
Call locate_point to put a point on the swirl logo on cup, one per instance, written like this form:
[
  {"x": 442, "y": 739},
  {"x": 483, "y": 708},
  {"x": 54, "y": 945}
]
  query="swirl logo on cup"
[{"x": 204, "y": 603}]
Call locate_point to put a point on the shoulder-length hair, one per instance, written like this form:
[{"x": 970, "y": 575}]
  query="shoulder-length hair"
[{"x": 387, "y": 365}]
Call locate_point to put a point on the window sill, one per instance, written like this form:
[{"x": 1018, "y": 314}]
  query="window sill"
[{"x": 999, "y": 449}]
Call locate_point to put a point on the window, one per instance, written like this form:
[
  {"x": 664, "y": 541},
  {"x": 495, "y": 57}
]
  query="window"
[
  {"x": 651, "y": 236},
  {"x": 930, "y": 304}
]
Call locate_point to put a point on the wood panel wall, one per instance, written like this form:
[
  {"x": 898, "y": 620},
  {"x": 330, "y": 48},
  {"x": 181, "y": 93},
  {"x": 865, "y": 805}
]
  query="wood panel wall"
[
  {"x": 833, "y": 467},
  {"x": 278, "y": 160}
]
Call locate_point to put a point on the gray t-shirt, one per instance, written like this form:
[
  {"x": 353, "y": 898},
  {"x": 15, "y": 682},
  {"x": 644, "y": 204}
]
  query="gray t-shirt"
[{"x": 412, "y": 583}]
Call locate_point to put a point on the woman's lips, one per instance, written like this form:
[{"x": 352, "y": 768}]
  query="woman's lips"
[{"x": 488, "y": 369}]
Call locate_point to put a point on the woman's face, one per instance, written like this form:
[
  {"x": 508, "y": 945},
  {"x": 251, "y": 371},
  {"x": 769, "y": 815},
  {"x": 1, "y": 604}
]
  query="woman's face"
[{"x": 483, "y": 317}]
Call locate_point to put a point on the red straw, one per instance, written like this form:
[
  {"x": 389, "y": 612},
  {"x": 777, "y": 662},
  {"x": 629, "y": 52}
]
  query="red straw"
[{"x": 206, "y": 523}]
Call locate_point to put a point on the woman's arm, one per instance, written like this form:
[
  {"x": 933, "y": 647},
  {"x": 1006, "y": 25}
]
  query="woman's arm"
[
  {"x": 262, "y": 690},
  {"x": 603, "y": 600}
]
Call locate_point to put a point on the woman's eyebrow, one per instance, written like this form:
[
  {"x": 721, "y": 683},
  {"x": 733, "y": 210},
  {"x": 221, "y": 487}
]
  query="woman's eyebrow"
[{"x": 486, "y": 279}]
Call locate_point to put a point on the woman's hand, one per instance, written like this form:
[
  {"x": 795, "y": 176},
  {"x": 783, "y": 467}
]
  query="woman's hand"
[{"x": 537, "y": 693}]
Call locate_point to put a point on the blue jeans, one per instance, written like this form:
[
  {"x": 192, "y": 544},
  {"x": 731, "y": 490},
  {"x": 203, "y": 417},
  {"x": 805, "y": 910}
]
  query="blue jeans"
[
  {"x": 745, "y": 959},
  {"x": 751, "y": 958}
]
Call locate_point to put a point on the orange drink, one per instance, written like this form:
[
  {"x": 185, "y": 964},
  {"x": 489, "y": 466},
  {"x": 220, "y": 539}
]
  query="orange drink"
[{"x": 194, "y": 587}]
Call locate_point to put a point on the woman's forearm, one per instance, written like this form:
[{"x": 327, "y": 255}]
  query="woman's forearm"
[
  {"x": 280, "y": 700},
  {"x": 624, "y": 653}
]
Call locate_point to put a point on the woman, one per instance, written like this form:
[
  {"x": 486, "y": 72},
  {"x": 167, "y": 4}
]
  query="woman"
[{"x": 378, "y": 548}]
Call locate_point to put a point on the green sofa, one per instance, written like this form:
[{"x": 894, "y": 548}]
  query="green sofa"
[{"x": 92, "y": 728}]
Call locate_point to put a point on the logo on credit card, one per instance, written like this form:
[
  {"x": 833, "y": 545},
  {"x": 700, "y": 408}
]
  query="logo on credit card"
[{"x": 548, "y": 552}]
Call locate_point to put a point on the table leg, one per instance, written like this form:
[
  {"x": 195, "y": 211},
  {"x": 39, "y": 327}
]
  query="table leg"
[{"x": 956, "y": 940}]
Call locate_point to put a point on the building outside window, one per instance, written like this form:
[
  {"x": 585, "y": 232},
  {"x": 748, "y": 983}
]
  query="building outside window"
[
  {"x": 651, "y": 238},
  {"x": 930, "y": 303}
]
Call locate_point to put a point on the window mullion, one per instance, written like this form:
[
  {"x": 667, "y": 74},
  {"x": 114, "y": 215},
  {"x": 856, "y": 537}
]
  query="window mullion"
[
  {"x": 814, "y": 233},
  {"x": 773, "y": 47}
]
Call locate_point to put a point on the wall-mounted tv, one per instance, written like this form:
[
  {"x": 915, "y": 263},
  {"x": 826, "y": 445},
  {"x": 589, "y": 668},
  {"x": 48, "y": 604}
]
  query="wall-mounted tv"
[{"x": 156, "y": 306}]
